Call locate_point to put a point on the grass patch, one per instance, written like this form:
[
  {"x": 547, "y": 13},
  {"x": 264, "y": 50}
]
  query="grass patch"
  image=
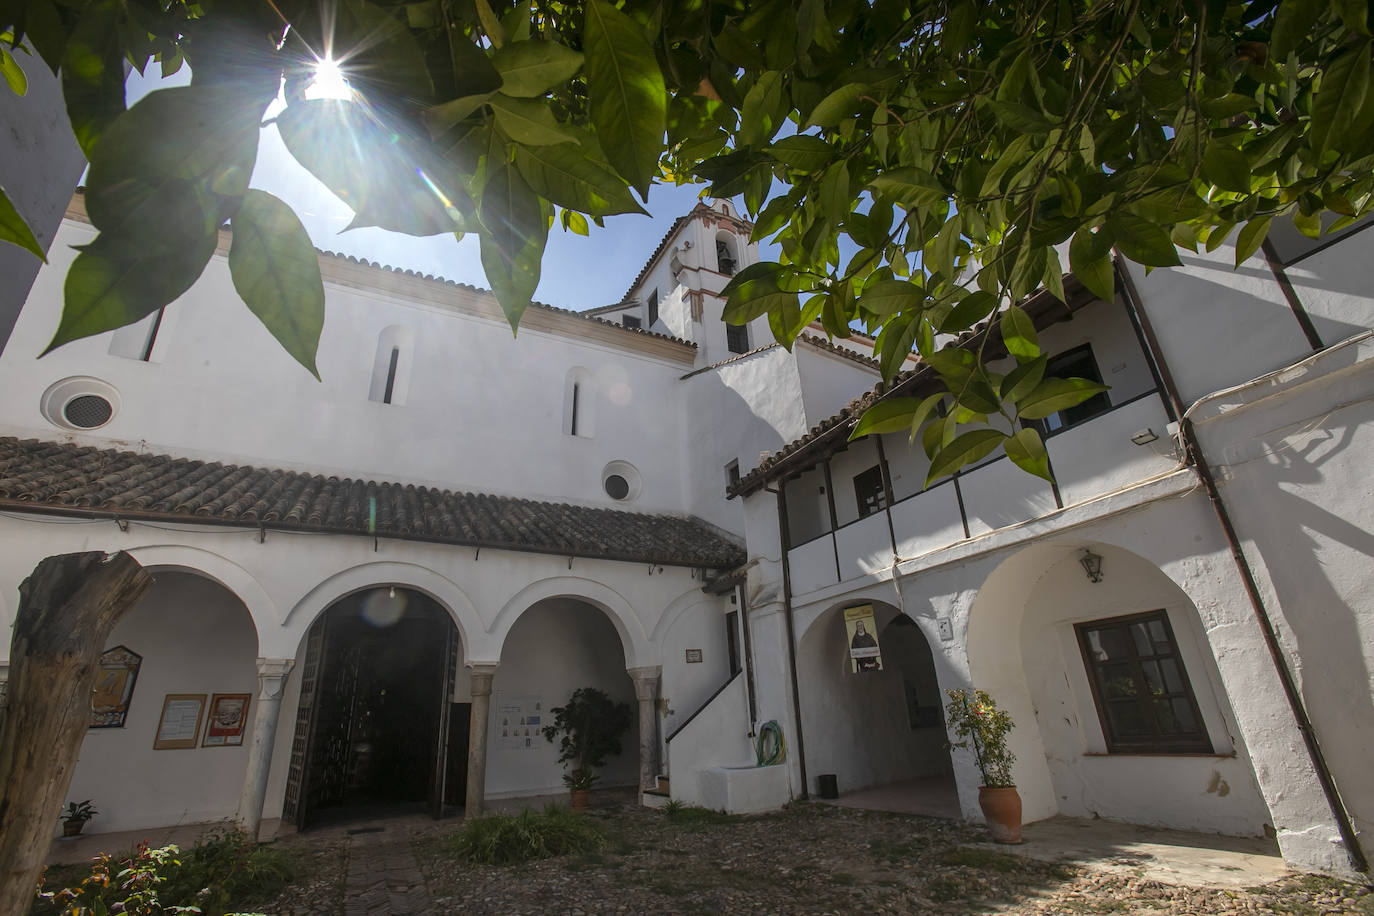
[
  {"x": 505, "y": 839},
  {"x": 985, "y": 859},
  {"x": 944, "y": 889},
  {"x": 691, "y": 816},
  {"x": 894, "y": 851}
]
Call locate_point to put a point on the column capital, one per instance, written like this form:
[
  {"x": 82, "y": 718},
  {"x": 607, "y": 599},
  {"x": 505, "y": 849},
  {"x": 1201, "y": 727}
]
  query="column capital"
[
  {"x": 272, "y": 673},
  {"x": 646, "y": 672},
  {"x": 481, "y": 676},
  {"x": 646, "y": 681}
]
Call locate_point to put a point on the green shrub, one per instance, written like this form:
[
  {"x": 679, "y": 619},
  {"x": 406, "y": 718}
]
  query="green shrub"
[
  {"x": 225, "y": 871},
  {"x": 692, "y": 816},
  {"x": 505, "y": 839}
]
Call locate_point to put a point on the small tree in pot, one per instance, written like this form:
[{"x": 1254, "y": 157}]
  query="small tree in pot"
[
  {"x": 75, "y": 816},
  {"x": 978, "y": 723},
  {"x": 589, "y": 727}
]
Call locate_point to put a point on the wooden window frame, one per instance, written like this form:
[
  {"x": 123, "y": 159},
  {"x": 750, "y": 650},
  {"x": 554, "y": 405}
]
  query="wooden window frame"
[
  {"x": 866, "y": 475},
  {"x": 737, "y": 338},
  {"x": 1198, "y": 743}
]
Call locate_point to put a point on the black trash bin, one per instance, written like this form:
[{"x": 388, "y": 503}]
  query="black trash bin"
[{"x": 827, "y": 786}]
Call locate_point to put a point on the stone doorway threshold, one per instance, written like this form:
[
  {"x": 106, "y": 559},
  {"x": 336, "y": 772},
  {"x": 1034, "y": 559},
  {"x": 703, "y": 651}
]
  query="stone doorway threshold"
[
  {"x": 1168, "y": 856},
  {"x": 932, "y": 796}
]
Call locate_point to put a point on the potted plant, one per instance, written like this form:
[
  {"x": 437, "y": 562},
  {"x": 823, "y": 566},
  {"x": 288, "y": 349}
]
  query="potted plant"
[
  {"x": 589, "y": 727},
  {"x": 976, "y": 720},
  {"x": 75, "y": 816}
]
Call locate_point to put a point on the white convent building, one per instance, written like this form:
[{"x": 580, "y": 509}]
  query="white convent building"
[{"x": 406, "y": 565}]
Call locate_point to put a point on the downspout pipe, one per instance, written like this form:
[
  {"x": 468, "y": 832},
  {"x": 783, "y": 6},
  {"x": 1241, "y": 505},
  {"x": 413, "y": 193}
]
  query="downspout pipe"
[
  {"x": 791, "y": 632},
  {"x": 1195, "y": 456}
]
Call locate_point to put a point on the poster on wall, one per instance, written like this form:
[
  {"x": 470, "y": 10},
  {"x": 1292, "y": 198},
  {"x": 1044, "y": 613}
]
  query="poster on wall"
[
  {"x": 114, "y": 687},
  {"x": 518, "y": 720},
  {"x": 179, "y": 723},
  {"x": 862, "y": 632},
  {"x": 228, "y": 716}
]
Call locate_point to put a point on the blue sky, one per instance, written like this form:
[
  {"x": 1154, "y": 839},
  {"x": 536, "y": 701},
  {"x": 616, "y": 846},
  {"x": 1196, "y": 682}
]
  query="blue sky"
[{"x": 579, "y": 272}]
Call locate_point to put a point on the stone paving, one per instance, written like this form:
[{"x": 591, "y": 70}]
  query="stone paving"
[{"x": 382, "y": 876}]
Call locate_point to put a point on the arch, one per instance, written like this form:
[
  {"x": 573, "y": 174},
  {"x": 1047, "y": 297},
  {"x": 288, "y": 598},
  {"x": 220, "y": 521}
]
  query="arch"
[
  {"x": 879, "y": 594},
  {"x": 727, "y": 253},
  {"x": 262, "y": 610},
  {"x": 392, "y": 365},
  {"x": 691, "y": 598},
  {"x": 370, "y": 575},
  {"x": 1024, "y": 646},
  {"x": 639, "y": 650}
]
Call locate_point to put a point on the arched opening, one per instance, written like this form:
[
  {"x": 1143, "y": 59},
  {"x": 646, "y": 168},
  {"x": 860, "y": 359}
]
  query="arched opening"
[
  {"x": 556, "y": 646},
  {"x": 391, "y": 366},
  {"x": 1119, "y": 707},
  {"x": 875, "y": 722},
  {"x": 172, "y": 714},
  {"x": 377, "y": 728},
  {"x": 727, "y": 255}
]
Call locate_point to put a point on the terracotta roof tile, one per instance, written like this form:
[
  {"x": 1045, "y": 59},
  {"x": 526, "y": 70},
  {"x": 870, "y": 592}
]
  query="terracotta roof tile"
[{"x": 47, "y": 476}]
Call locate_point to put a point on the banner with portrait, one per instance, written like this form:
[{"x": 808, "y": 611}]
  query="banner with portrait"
[{"x": 861, "y": 629}]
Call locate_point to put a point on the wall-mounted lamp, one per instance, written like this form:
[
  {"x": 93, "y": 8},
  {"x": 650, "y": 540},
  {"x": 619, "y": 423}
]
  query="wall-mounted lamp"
[
  {"x": 1144, "y": 436},
  {"x": 1092, "y": 565},
  {"x": 393, "y": 592}
]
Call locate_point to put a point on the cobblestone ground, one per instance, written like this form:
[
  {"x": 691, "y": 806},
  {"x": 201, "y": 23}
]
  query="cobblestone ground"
[{"x": 810, "y": 859}]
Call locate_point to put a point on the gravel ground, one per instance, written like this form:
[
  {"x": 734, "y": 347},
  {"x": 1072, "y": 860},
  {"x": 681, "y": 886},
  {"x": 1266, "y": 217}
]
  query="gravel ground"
[{"x": 817, "y": 859}]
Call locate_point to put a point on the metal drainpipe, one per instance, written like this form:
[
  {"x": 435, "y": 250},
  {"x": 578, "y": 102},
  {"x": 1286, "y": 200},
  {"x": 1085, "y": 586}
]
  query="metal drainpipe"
[
  {"x": 791, "y": 631},
  {"x": 1194, "y": 454},
  {"x": 742, "y": 592}
]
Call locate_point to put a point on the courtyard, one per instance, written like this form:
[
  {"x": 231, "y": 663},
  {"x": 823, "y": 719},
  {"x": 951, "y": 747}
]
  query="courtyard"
[{"x": 810, "y": 858}]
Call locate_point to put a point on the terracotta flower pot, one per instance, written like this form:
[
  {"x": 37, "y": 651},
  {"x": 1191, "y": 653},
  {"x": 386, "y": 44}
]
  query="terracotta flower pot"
[
  {"x": 72, "y": 828},
  {"x": 1002, "y": 810},
  {"x": 581, "y": 797}
]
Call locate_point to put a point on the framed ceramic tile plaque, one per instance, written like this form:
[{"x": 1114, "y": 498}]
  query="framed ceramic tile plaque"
[
  {"x": 179, "y": 723},
  {"x": 228, "y": 716},
  {"x": 114, "y": 687}
]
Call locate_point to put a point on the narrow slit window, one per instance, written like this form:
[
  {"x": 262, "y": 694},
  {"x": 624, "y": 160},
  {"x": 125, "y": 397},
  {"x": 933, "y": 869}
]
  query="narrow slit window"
[
  {"x": 572, "y": 430},
  {"x": 652, "y": 309},
  {"x": 391, "y": 375},
  {"x": 391, "y": 366}
]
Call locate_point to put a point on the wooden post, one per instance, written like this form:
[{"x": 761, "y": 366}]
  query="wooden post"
[{"x": 67, "y": 608}]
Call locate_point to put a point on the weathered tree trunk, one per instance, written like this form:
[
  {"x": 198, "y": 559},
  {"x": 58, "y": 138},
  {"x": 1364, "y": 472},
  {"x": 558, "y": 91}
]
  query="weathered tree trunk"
[{"x": 67, "y": 608}]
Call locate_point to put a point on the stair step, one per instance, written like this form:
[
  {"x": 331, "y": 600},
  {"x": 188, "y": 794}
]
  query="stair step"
[{"x": 651, "y": 798}]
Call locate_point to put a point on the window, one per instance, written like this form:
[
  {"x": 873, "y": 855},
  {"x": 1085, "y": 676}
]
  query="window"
[
  {"x": 868, "y": 491},
  {"x": 737, "y": 338},
  {"x": 732, "y": 473},
  {"x": 653, "y": 308},
  {"x": 579, "y": 403},
  {"x": 1143, "y": 697},
  {"x": 572, "y": 425},
  {"x": 391, "y": 375},
  {"x": 392, "y": 365},
  {"x": 631, "y": 321},
  {"x": 732, "y": 641},
  {"x": 725, "y": 257},
  {"x": 135, "y": 341},
  {"x": 1075, "y": 363}
]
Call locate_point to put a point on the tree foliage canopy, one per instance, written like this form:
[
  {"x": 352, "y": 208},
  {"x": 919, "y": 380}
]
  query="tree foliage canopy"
[{"x": 921, "y": 164}]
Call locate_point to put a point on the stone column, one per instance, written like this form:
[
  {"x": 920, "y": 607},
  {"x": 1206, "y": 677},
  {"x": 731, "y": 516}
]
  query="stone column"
[
  {"x": 646, "y": 691},
  {"x": 477, "y": 740},
  {"x": 272, "y": 673}
]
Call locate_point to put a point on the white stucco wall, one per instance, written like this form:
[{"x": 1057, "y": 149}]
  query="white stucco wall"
[{"x": 195, "y": 637}]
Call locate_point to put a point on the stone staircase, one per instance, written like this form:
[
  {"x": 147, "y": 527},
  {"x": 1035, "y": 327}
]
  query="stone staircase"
[{"x": 657, "y": 797}]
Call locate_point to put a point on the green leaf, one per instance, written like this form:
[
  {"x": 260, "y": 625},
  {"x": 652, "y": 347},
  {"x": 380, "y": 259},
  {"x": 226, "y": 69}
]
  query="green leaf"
[
  {"x": 1018, "y": 333},
  {"x": 529, "y": 121},
  {"x": 93, "y": 72},
  {"x": 1251, "y": 237},
  {"x": 276, "y": 271},
  {"x": 13, "y": 228},
  {"x": 892, "y": 415},
  {"x": 531, "y": 68},
  {"x": 515, "y": 227},
  {"x": 575, "y": 222},
  {"x": 1020, "y": 118},
  {"x": 1055, "y": 394},
  {"x": 1142, "y": 241},
  {"x": 1292, "y": 25},
  {"x": 1027, "y": 451},
  {"x": 626, "y": 93},
  {"x": 970, "y": 447},
  {"x": 570, "y": 177},
  {"x": 972, "y": 309},
  {"x": 910, "y": 186},
  {"x": 803, "y": 153},
  {"x": 1338, "y": 101},
  {"x": 1054, "y": 275},
  {"x": 108, "y": 287},
  {"x": 1022, "y": 380},
  {"x": 887, "y": 297},
  {"x": 440, "y": 118},
  {"x": 835, "y": 198},
  {"x": 754, "y": 291},
  {"x": 473, "y": 71},
  {"x": 954, "y": 365},
  {"x": 837, "y": 106},
  {"x": 1226, "y": 168},
  {"x": 1090, "y": 258},
  {"x": 13, "y": 73},
  {"x": 761, "y": 114}
]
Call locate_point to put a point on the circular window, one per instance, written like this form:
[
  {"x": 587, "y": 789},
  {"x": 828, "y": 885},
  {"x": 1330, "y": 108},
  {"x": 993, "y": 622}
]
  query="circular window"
[
  {"x": 88, "y": 411},
  {"x": 79, "y": 402},
  {"x": 621, "y": 481}
]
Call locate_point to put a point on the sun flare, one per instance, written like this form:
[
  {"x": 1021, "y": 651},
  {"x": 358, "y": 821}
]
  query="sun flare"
[{"x": 329, "y": 82}]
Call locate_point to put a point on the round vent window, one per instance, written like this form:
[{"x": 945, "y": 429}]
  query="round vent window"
[
  {"x": 621, "y": 481},
  {"x": 79, "y": 402},
  {"x": 88, "y": 411}
]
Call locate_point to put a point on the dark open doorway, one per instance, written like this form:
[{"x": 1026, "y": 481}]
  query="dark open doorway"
[{"x": 376, "y": 728}]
